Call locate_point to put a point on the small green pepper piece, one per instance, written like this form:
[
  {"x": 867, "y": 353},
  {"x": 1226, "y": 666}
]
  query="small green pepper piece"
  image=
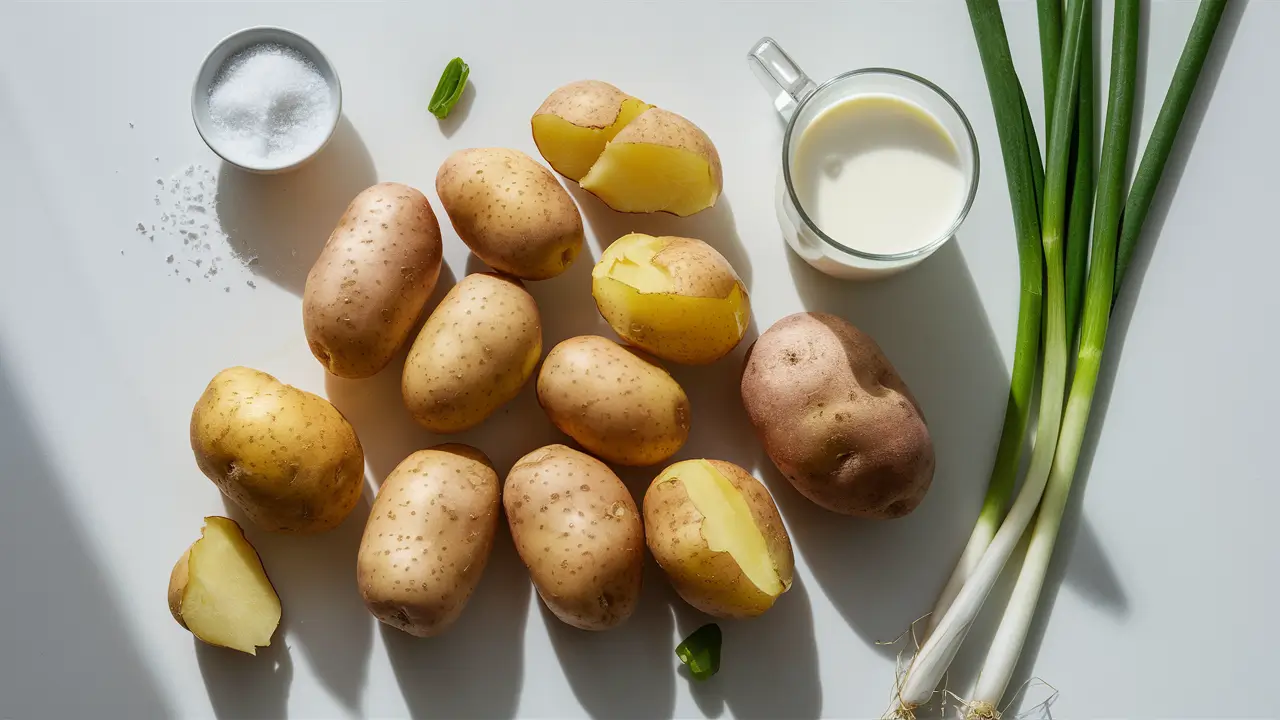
[
  {"x": 452, "y": 82},
  {"x": 701, "y": 651}
]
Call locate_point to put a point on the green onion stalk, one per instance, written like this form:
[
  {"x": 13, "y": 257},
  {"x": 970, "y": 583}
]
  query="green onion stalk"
[
  {"x": 933, "y": 659},
  {"x": 1105, "y": 274}
]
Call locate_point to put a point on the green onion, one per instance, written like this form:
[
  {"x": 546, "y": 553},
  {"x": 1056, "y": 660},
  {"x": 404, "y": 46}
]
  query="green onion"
[
  {"x": 1025, "y": 176},
  {"x": 1014, "y": 625},
  {"x": 701, "y": 651},
  {"x": 449, "y": 90},
  {"x": 1165, "y": 130},
  {"x": 932, "y": 661},
  {"x": 1049, "y": 15}
]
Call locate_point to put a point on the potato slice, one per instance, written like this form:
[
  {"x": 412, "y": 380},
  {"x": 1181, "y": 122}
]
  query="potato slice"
[
  {"x": 675, "y": 297},
  {"x": 219, "y": 591},
  {"x": 717, "y": 534},
  {"x": 575, "y": 122},
  {"x": 658, "y": 162}
]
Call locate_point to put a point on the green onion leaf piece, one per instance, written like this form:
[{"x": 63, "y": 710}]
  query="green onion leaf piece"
[
  {"x": 701, "y": 651},
  {"x": 452, "y": 82}
]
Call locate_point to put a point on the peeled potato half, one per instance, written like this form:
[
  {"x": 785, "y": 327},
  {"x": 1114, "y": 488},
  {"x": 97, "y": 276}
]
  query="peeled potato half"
[
  {"x": 718, "y": 536},
  {"x": 658, "y": 162},
  {"x": 575, "y": 122},
  {"x": 675, "y": 297},
  {"x": 219, "y": 591}
]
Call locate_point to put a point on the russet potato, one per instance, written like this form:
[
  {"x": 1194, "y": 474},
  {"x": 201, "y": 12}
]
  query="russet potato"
[{"x": 836, "y": 419}]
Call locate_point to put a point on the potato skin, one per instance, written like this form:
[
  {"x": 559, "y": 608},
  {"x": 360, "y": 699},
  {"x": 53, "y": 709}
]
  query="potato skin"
[
  {"x": 372, "y": 278},
  {"x": 836, "y": 418},
  {"x": 178, "y": 585},
  {"x": 585, "y": 103},
  {"x": 478, "y": 348},
  {"x": 620, "y": 405},
  {"x": 510, "y": 211},
  {"x": 577, "y": 529},
  {"x": 428, "y": 538},
  {"x": 710, "y": 580},
  {"x": 288, "y": 458}
]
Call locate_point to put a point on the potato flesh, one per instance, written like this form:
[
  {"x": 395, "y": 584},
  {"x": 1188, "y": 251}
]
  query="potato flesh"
[
  {"x": 728, "y": 525},
  {"x": 228, "y": 600},
  {"x": 572, "y": 149},
  {"x": 644, "y": 177}
]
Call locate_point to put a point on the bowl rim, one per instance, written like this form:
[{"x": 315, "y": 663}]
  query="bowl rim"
[{"x": 298, "y": 42}]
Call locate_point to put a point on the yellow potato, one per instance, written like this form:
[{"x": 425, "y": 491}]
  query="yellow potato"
[
  {"x": 428, "y": 538},
  {"x": 620, "y": 405},
  {"x": 475, "y": 352},
  {"x": 575, "y": 122},
  {"x": 288, "y": 458},
  {"x": 836, "y": 418},
  {"x": 510, "y": 211},
  {"x": 220, "y": 593},
  {"x": 675, "y": 297},
  {"x": 658, "y": 162},
  {"x": 717, "y": 534},
  {"x": 368, "y": 287},
  {"x": 577, "y": 529}
]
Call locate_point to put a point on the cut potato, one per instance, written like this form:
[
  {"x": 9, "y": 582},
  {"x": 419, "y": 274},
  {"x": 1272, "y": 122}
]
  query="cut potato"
[
  {"x": 717, "y": 534},
  {"x": 658, "y": 162},
  {"x": 675, "y": 297},
  {"x": 219, "y": 591},
  {"x": 575, "y": 122}
]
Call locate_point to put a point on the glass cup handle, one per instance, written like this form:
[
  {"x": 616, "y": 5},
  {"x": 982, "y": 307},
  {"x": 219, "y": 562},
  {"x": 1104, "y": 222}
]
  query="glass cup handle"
[{"x": 780, "y": 76}]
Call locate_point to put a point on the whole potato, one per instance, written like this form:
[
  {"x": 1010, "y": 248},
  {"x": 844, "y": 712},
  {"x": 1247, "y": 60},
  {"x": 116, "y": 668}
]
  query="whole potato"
[
  {"x": 475, "y": 352},
  {"x": 717, "y": 534},
  {"x": 372, "y": 278},
  {"x": 288, "y": 458},
  {"x": 428, "y": 538},
  {"x": 617, "y": 403},
  {"x": 577, "y": 529},
  {"x": 510, "y": 211},
  {"x": 674, "y": 297},
  {"x": 836, "y": 419}
]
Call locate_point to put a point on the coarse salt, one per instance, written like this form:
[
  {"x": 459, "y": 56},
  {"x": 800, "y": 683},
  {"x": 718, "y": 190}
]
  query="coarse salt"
[{"x": 269, "y": 105}]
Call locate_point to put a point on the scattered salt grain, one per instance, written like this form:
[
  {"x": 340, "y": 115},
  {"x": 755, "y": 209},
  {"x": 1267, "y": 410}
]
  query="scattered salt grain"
[{"x": 269, "y": 105}]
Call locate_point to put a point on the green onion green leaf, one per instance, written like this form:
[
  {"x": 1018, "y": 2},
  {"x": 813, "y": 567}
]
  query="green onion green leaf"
[
  {"x": 452, "y": 82},
  {"x": 701, "y": 651}
]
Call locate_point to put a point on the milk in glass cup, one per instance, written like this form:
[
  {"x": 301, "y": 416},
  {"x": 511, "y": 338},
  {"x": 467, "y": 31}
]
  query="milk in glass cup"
[{"x": 879, "y": 166}]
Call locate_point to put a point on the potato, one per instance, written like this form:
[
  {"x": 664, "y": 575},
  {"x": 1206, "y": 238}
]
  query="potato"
[
  {"x": 428, "y": 538},
  {"x": 836, "y": 419},
  {"x": 577, "y": 529},
  {"x": 575, "y": 122},
  {"x": 717, "y": 534},
  {"x": 675, "y": 297},
  {"x": 366, "y": 290},
  {"x": 220, "y": 593},
  {"x": 510, "y": 211},
  {"x": 288, "y": 458},
  {"x": 478, "y": 348},
  {"x": 658, "y": 162},
  {"x": 620, "y": 405}
]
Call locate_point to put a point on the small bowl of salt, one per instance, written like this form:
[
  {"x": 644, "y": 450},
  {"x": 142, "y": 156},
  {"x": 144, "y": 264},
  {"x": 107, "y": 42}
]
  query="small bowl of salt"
[{"x": 266, "y": 100}]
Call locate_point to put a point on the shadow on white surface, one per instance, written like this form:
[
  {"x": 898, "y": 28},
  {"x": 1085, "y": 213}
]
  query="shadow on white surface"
[
  {"x": 241, "y": 687},
  {"x": 60, "y": 621},
  {"x": 1080, "y": 560},
  {"x": 476, "y": 668},
  {"x": 324, "y": 614},
  {"x": 284, "y": 220},
  {"x": 714, "y": 226},
  {"x": 883, "y": 575}
]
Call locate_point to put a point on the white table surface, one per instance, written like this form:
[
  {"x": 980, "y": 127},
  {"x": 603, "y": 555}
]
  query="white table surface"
[{"x": 1166, "y": 573}]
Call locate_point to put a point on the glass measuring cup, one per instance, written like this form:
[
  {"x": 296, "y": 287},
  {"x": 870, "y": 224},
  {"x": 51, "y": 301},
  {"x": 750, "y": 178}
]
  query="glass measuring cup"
[{"x": 799, "y": 100}]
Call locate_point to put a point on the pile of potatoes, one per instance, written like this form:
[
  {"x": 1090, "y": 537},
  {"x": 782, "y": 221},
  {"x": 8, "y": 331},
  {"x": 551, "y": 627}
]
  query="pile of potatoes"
[{"x": 830, "y": 411}]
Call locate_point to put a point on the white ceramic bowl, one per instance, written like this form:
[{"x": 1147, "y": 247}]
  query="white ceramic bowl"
[{"x": 228, "y": 47}]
